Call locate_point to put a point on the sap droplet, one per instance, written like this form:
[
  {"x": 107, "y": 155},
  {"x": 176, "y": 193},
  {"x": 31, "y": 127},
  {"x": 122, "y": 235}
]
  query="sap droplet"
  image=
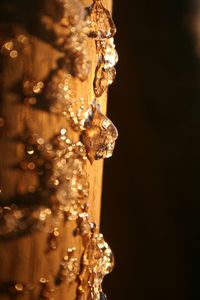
[{"x": 101, "y": 25}]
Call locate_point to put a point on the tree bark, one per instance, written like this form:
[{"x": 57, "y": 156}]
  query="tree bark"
[{"x": 29, "y": 63}]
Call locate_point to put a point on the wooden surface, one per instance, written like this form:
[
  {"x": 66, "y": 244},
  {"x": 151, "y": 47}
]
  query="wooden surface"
[{"x": 24, "y": 259}]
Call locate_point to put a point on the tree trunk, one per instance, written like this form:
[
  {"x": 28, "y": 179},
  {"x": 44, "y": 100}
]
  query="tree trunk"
[{"x": 46, "y": 87}]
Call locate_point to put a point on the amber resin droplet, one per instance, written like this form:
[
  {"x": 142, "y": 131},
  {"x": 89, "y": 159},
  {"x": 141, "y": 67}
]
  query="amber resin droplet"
[
  {"x": 97, "y": 260},
  {"x": 99, "y": 136},
  {"x": 103, "y": 78},
  {"x": 105, "y": 71},
  {"x": 101, "y": 24}
]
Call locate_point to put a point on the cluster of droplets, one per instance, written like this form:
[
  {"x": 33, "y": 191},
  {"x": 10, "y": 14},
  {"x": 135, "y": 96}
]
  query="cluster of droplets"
[
  {"x": 97, "y": 260},
  {"x": 32, "y": 90},
  {"x": 61, "y": 187},
  {"x": 98, "y": 137},
  {"x": 14, "y": 47},
  {"x": 59, "y": 96},
  {"x": 61, "y": 168},
  {"x": 68, "y": 272},
  {"x": 105, "y": 71},
  {"x": 68, "y": 174},
  {"x": 16, "y": 220},
  {"x": 58, "y": 92},
  {"x": 99, "y": 133},
  {"x": 59, "y": 163},
  {"x": 69, "y": 268},
  {"x": 102, "y": 28},
  {"x": 68, "y": 32}
]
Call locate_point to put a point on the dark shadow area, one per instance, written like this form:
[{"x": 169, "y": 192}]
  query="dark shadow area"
[{"x": 151, "y": 199}]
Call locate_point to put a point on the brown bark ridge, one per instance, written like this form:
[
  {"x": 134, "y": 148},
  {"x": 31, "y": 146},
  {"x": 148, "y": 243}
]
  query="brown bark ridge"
[{"x": 51, "y": 140}]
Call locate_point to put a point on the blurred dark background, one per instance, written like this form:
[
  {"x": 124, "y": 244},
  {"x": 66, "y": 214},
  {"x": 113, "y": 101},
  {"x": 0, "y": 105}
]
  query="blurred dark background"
[{"x": 151, "y": 198}]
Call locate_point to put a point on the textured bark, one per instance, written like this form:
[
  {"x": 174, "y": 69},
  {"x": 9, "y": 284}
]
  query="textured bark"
[{"x": 24, "y": 259}]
